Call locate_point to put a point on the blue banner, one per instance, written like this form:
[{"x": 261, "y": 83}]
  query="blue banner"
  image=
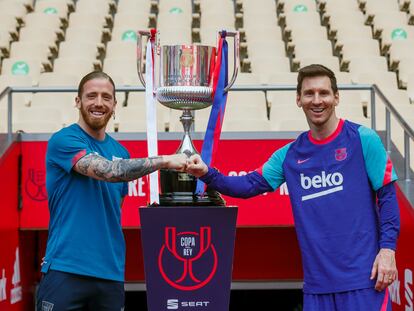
[{"x": 215, "y": 121}]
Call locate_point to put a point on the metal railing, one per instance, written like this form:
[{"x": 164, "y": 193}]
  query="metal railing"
[{"x": 372, "y": 88}]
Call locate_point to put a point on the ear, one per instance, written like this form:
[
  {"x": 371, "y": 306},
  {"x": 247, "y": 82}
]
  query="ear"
[
  {"x": 336, "y": 96},
  {"x": 77, "y": 102},
  {"x": 298, "y": 102}
]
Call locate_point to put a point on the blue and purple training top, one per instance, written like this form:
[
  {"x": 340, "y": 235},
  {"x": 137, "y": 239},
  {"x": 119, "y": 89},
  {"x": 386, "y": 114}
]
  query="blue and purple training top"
[{"x": 343, "y": 199}]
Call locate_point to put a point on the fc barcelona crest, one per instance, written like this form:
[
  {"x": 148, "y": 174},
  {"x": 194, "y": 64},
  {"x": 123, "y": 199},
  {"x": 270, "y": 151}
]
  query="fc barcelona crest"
[{"x": 340, "y": 154}]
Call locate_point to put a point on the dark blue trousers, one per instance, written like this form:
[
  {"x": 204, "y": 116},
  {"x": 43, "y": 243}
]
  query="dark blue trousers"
[{"x": 60, "y": 291}]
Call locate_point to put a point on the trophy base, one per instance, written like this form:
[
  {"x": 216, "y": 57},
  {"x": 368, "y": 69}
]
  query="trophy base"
[
  {"x": 191, "y": 199},
  {"x": 178, "y": 189}
]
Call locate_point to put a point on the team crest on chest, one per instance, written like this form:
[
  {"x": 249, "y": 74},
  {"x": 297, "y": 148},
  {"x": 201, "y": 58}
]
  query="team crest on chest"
[{"x": 340, "y": 154}]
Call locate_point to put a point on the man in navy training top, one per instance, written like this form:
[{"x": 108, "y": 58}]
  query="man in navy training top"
[
  {"x": 341, "y": 187},
  {"x": 86, "y": 178}
]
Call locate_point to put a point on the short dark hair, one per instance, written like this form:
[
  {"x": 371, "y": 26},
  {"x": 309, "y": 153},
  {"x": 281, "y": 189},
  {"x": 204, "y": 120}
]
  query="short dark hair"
[
  {"x": 316, "y": 70},
  {"x": 94, "y": 75}
]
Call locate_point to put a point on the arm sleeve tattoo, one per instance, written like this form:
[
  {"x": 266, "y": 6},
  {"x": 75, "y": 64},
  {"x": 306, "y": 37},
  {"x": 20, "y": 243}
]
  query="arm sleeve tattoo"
[{"x": 98, "y": 167}]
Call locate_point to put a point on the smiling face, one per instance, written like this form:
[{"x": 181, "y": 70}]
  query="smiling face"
[
  {"x": 318, "y": 101},
  {"x": 96, "y": 104}
]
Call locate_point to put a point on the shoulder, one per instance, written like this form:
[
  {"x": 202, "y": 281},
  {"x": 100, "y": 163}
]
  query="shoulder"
[
  {"x": 118, "y": 146},
  {"x": 70, "y": 130},
  {"x": 67, "y": 136},
  {"x": 366, "y": 132},
  {"x": 280, "y": 154}
]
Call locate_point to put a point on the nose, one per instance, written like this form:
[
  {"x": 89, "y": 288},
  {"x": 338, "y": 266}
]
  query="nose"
[
  {"x": 317, "y": 99},
  {"x": 99, "y": 101}
]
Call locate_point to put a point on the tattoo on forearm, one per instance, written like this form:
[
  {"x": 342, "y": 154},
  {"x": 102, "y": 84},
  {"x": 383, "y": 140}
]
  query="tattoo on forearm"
[{"x": 96, "y": 166}]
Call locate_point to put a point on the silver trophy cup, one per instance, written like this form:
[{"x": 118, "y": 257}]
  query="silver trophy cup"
[{"x": 184, "y": 81}]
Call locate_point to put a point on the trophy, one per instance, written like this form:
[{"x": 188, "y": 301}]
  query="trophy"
[{"x": 183, "y": 80}]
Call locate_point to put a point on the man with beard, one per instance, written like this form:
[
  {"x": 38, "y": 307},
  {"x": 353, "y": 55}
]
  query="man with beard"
[{"x": 86, "y": 178}]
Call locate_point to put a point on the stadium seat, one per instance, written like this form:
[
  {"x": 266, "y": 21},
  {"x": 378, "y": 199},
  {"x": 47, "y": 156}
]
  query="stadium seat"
[
  {"x": 298, "y": 6},
  {"x": 246, "y": 105},
  {"x": 29, "y": 119},
  {"x": 43, "y": 20},
  {"x": 287, "y": 78},
  {"x": 395, "y": 33},
  {"x": 58, "y": 7},
  {"x": 127, "y": 24},
  {"x": 85, "y": 34},
  {"x": 218, "y": 19},
  {"x": 278, "y": 101},
  {"x": 132, "y": 6},
  {"x": 177, "y": 7},
  {"x": 126, "y": 116},
  {"x": 267, "y": 20},
  {"x": 248, "y": 125},
  {"x": 400, "y": 49},
  {"x": 351, "y": 32},
  {"x": 102, "y": 7},
  {"x": 268, "y": 65},
  {"x": 15, "y": 8},
  {"x": 331, "y": 62},
  {"x": 364, "y": 64},
  {"x": 384, "y": 80},
  {"x": 357, "y": 48},
  {"x": 342, "y": 19},
  {"x": 314, "y": 32},
  {"x": 36, "y": 126},
  {"x": 260, "y": 48},
  {"x": 78, "y": 67},
  {"x": 335, "y": 6},
  {"x": 290, "y": 124},
  {"x": 70, "y": 49},
  {"x": 42, "y": 35},
  {"x": 311, "y": 48},
  {"x": 405, "y": 69},
  {"x": 293, "y": 20},
  {"x": 120, "y": 67},
  {"x": 121, "y": 50},
  {"x": 372, "y": 7},
  {"x": 23, "y": 67},
  {"x": 89, "y": 20},
  {"x": 34, "y": 50},
  {"x": 248, "y": 79}
]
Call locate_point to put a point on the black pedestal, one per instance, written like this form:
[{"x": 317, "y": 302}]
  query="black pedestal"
[{"x": 188, "y": 256}]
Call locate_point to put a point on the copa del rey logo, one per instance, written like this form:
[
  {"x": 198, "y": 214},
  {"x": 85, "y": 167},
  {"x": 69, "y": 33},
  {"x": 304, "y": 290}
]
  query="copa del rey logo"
[{"x": 187, "y": 260}]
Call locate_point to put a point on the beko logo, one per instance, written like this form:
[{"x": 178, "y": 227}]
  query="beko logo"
[
  {"x": 332, "y": 180},
  {"x": 174, "y": 304}
]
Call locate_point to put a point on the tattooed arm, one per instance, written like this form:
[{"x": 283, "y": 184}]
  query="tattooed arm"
[{"x": 98, "y": 167}]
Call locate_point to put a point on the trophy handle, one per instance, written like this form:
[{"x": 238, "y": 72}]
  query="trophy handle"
[
  {"x": 236, "y": 42},
  {"x": 141, "y": 33}
]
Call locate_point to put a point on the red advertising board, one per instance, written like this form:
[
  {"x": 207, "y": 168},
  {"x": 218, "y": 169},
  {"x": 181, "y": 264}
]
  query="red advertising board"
[
  {"x": 11, "y": 293},
  {"x": 235, "y": 157}
]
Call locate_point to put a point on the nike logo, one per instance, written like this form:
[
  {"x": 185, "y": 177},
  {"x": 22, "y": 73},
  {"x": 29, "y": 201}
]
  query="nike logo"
[{"x": 303, "y": 161}]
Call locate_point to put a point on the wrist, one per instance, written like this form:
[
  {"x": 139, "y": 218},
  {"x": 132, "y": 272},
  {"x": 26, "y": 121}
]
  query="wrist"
[{"x": 165, "y": 160}]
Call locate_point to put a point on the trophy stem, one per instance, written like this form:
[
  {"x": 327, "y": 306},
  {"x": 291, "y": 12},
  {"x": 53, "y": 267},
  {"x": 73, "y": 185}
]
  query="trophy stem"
[{"x": 186, "y": 145}]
